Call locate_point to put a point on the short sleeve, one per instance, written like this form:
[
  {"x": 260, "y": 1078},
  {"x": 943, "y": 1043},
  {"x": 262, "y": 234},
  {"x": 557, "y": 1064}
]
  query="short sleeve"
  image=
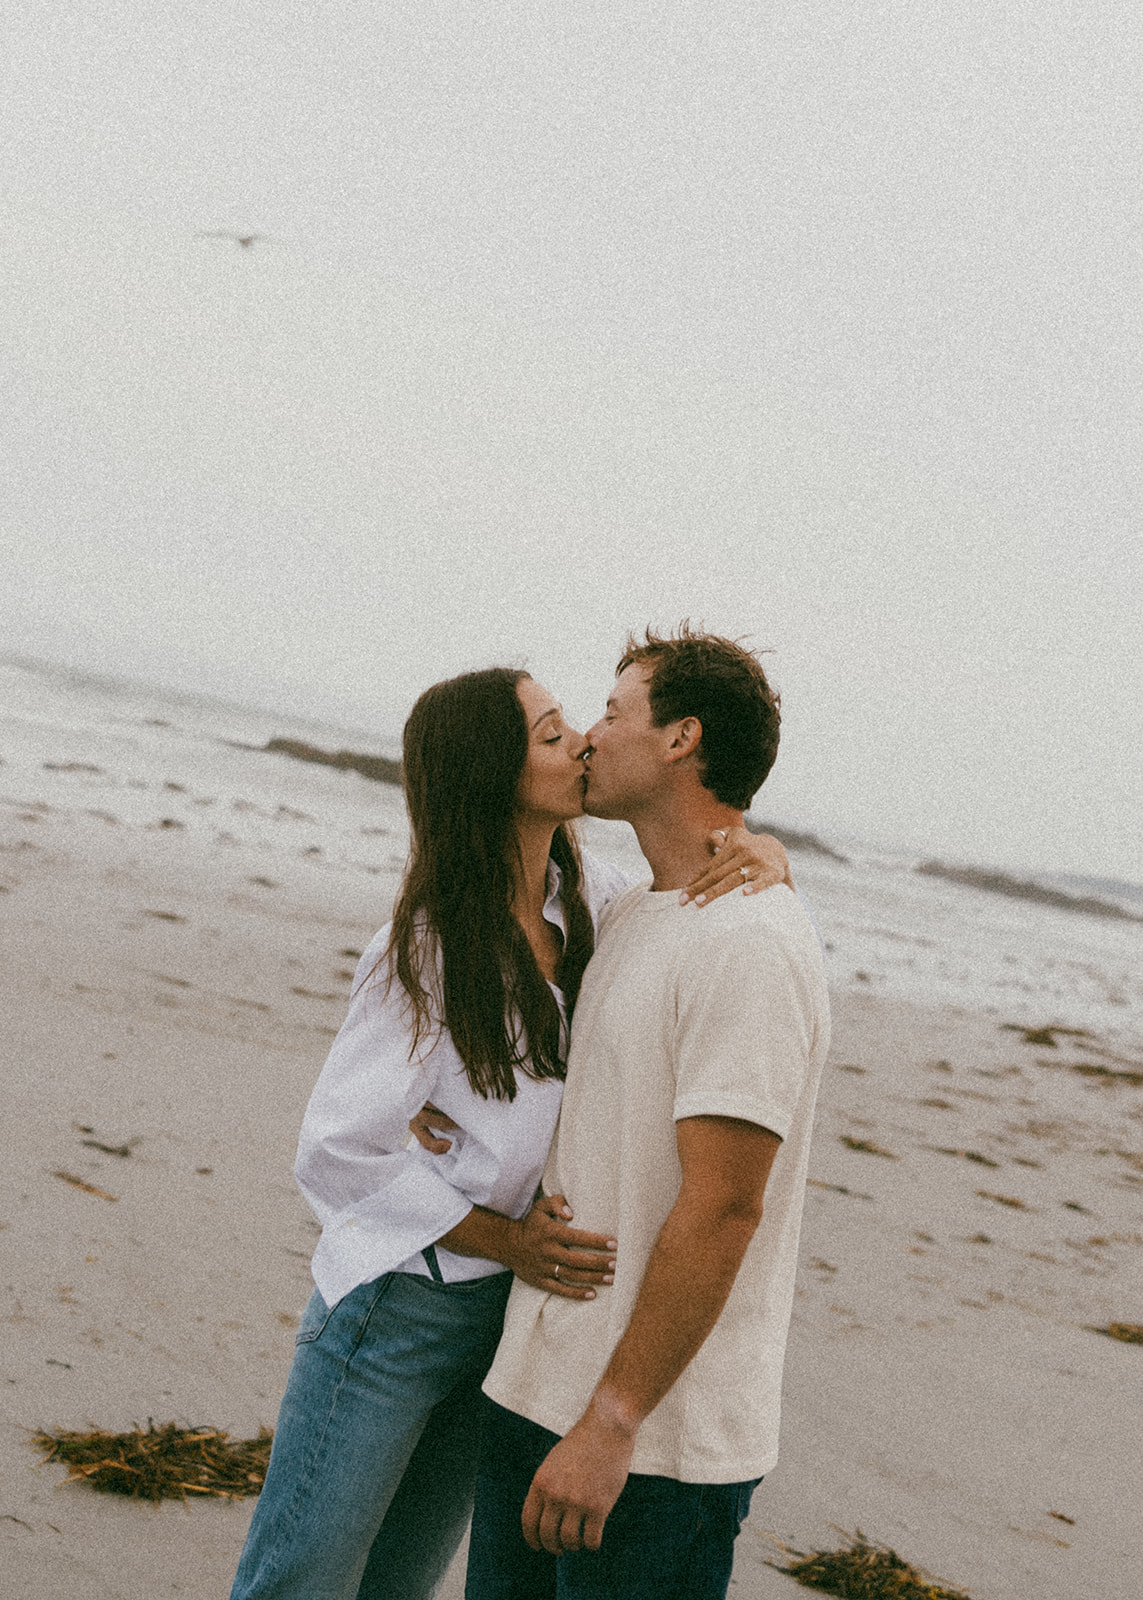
[{"x": 745, "y": 1029}]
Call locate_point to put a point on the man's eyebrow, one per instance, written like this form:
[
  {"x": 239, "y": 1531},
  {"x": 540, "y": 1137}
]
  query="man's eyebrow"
[{"x": 552, "y": 711}]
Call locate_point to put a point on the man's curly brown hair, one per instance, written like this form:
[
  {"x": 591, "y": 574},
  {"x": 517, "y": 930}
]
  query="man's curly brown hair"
[{"x": 694, "y": 674}]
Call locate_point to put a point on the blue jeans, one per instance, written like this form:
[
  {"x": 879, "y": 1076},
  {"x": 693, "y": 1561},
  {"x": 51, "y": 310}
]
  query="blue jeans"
[
  {"x": 664, "y": 1540},
  {"x": 370, "y": 1482}
]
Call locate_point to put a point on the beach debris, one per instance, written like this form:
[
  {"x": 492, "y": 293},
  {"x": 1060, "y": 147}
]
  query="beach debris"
[
  {"x": 313, "y": 994},
  {"x": 1060, "y": 1517},
  {"x": 88, "y": 1188},
  {"x": 1045, "y": 1037},
  {"x": 1125, "y": 1332},
  {"x": 163, "y": 1463},
  {"x": 866, "y": 1146},
  {"x": 967, "y": 1155},
  {"x": 1003, "y": 1199},
  {"x": 1106, "y": 1077},
  {"x": 121, "y": 1150},
  {"x": 70, "y": 766},
  {"x": 838, "y": 1188},
  {"x": 165, "y": 916},
  {"x": 864, "y": 1571}
]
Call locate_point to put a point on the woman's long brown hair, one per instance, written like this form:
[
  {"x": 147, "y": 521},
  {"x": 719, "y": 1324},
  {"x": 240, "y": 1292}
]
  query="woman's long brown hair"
[{"x": 455, "y": 947}]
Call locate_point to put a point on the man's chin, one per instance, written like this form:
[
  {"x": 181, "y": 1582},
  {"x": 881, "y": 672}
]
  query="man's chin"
[{"x": 595, "y": 805}]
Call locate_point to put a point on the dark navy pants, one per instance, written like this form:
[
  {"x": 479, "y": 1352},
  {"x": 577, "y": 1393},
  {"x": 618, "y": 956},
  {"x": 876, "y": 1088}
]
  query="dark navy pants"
[{"x": 664, "y": 1540}]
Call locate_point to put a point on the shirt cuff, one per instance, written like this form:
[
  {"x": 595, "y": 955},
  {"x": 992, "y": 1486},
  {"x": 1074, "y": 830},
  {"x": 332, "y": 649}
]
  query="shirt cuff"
[{"x": 369, "y": 1239}]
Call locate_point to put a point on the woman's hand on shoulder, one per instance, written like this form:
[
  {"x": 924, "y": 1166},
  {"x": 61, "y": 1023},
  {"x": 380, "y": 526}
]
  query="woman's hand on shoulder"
[
  {"x": 422, "y": 1125},
  {"x": 742, "y": 860},
  {"x": 562, "y": 1260}
]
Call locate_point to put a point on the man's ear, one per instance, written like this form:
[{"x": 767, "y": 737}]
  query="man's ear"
[{"x": 686, "y": 739}]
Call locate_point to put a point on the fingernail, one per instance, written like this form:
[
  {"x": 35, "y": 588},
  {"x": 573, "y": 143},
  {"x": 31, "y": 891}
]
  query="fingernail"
[
  {"x": 565, "y": 1211},
  {"x": 608, "y": 1278},
  {"x": 748, "y": 888},
  {"x": 611, "y": 1266},
  {"x": 683, "y": 898},
  {"x": 590, "y": 1295},
  {"x": 613, "y": 1244},
  {"x": 700, "y": 899}
]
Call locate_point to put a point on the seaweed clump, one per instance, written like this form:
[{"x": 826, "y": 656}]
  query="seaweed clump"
[
  {"x": 865, "y": 1571},
  {"x": 1125, "y": 1332},
  {"x": 164, "y": 1463}
]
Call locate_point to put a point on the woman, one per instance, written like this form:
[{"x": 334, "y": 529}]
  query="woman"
[{"x": 462, "y": 1001}]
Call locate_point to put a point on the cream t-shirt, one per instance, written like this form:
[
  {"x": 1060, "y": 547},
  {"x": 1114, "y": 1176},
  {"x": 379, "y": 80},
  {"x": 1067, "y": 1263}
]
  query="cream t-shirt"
[{"x": 684, "y": 1011}]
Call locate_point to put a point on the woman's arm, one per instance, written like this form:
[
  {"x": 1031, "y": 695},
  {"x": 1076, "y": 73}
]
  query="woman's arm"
[
  {"x": 540, "y": 1247},
  {"x": 750, "y": 861}
]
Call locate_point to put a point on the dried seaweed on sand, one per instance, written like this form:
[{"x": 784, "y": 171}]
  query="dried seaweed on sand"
[
  {"x": 864, "y": 1571},
  {"x": 164, "y": 1463},
  {"x": 1125, "y": 1332}
]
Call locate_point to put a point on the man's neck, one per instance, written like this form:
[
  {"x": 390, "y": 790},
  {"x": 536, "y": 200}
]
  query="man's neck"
[{"x": 674, "y": 840}]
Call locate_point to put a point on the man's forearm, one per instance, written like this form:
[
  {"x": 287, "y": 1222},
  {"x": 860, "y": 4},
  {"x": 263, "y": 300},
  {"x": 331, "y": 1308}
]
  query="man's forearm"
[
  {"x": 689, "y": 1275},
  {"x": 725, "y": 1165}
]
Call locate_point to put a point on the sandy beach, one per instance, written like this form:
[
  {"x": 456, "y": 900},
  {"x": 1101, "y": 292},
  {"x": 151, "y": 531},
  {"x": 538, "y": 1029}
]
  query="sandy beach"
[{"x": 180, "y": 917}]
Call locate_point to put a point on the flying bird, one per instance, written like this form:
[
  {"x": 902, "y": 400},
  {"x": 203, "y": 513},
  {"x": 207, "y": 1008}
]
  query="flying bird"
[{"x": 243, "y": 239}]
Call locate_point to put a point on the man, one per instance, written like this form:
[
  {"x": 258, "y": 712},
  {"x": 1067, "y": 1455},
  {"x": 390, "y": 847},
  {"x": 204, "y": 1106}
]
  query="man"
[{"x": 630, "y": 1431}]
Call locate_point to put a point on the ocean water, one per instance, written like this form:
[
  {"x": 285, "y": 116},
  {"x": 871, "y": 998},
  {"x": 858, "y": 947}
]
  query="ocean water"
[{"x": 101, "y": 748}]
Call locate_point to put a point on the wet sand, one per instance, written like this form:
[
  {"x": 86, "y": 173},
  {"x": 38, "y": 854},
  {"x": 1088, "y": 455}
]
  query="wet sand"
[{"x": 176, "y": 957}]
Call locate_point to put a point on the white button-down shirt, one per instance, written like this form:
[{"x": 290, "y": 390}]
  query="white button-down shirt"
[{"x": 381, "y": 1200}]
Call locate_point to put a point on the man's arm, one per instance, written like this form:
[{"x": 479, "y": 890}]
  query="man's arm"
[{"x": 689, "y": 1275}]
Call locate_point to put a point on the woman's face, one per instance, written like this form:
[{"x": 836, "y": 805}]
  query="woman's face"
[{"x": 553, "y": 781}]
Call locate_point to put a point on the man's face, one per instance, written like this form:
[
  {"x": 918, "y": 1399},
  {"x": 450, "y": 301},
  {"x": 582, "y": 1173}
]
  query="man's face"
[{"x": 625, "y": 759}]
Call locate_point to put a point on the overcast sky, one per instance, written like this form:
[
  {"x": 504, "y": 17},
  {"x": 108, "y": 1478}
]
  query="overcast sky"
[{"x": 819, "y": 323}]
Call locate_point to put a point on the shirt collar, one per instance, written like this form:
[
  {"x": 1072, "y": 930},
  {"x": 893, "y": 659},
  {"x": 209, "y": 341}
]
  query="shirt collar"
[{"x": 554, "y": 905}]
